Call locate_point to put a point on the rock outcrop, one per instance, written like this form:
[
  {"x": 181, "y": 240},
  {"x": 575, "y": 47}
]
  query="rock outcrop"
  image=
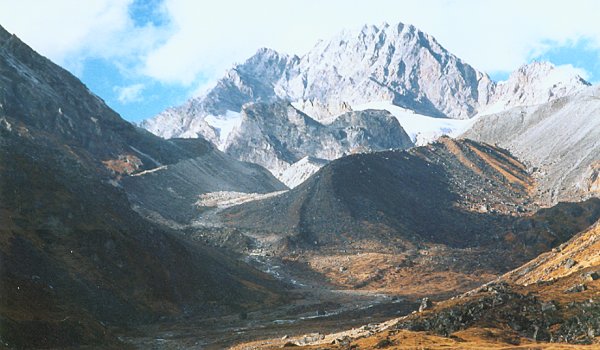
[{"x": 277, "y": 135}]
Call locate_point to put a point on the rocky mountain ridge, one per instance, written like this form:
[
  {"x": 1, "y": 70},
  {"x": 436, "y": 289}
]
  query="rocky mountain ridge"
[{"x": 398, "y": 64}]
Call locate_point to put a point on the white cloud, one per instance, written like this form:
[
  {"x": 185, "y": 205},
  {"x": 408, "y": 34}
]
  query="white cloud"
[
  {"x": 58, "y": 28},
  {"x": 68, "y": 31},
  {"x": 566, "y": 71},
  {"x": 491, "y": 35},
  {"x": 204, "y": 38},
  {"x": 203, "y": 88},
  {"x": 128, "y": 94}
]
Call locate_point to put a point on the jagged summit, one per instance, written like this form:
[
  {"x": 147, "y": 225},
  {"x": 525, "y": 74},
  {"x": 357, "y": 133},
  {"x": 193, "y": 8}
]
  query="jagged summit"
[
  {"x": 539, "y": 69},
  {"x": 395, "y": 63},
  {"x": 251, "y": 81}
]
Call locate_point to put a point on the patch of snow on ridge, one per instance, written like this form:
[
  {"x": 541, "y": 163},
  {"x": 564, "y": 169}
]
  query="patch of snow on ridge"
[
  {"x": 226, "y": 199},
  {"x": 421, "y": 129},
  {"x": 298, "y": 172},
  {"x": 224, "y": 125}
]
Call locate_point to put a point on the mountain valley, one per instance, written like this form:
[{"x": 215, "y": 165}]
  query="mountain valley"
[{"x": 376, "y": 192}]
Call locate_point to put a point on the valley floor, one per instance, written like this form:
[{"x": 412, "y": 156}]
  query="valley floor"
[
  {"x": 317, "y": 307},
  {"x": 324, "y": 313}
]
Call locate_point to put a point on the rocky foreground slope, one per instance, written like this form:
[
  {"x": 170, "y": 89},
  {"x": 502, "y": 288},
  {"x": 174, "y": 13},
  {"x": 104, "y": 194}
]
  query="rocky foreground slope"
[
  {"x": 76, "y": 262},
  {"x": 551, "y": 300}
]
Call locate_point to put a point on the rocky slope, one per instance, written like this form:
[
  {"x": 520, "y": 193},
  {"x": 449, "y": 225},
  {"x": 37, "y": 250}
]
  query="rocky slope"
[
  {"x": 153, "y": 171},
  {"x": 580, "y": 253},
  {"x": 390, "y": 194},
  {"x": 386, "y": 194},
  {"x": 364, "y": 221},
  {"x": 75, "y": 261},
  {"x": 552, "y": 298},
  {"x": 558, "y": 139},
  {"x": 278, "y": 135},
  {"x": 300, "y": 171},
  {"x": 168, "y": 193}
]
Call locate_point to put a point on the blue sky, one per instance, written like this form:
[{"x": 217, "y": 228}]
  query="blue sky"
[{"x": 144, "y": 56}]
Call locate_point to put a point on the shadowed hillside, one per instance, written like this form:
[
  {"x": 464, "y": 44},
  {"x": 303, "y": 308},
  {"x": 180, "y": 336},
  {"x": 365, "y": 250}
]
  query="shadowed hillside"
[
  {"x": 75, "y": 260},
  {"x": 457, "y": 193}
]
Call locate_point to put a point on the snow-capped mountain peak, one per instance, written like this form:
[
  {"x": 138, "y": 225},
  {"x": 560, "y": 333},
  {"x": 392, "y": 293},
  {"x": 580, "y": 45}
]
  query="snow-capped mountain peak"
[
  {"x": 214, "y": 114},
  {"x": 392, "y": 67},
  {"x": 395, "y": 63}
]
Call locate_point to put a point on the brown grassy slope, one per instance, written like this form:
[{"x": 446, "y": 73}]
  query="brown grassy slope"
[
  {"x": 579, "y": 253},
  {"x": 554, "y": 297},
  {"x": 471, "y": 339}
]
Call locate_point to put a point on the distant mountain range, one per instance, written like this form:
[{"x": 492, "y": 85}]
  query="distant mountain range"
[{"x": 392, "y": 66}]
